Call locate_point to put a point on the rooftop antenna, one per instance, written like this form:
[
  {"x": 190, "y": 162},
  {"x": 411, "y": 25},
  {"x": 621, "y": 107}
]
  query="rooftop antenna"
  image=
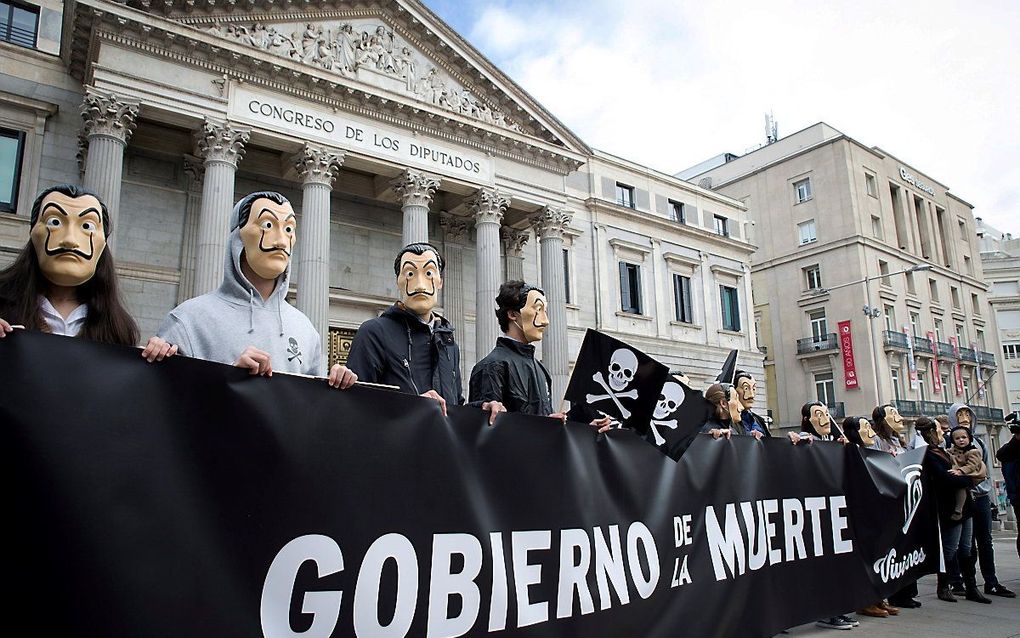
[{"x": 771, "y": 128}]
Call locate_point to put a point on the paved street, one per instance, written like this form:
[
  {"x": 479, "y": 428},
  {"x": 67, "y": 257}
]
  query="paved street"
[{"x": 938, "y": 619}]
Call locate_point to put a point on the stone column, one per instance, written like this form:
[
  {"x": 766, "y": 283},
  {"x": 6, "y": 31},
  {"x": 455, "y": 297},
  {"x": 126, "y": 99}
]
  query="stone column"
[
  {"x": 514, "y": 242},
  {"x": 488, "y": 206},
  {"x": 416, "y": 189},
  {"x": 221, "y": 146},
  {"x": 194, "y": 168},
  {"x": 549, "y": 226},
  {"x": 108, "y": 122},
  {"x": 317, "y": 166},
  {"x": 455, "y": 233}
]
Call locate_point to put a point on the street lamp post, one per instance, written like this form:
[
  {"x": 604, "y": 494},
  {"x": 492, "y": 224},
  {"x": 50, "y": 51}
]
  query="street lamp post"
[{"x": 872, "y": 313}]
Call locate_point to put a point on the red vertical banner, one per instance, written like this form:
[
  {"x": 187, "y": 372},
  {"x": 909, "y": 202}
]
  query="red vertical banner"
[
  {"x": 957, "y": 374},
  {"x": 936, "y": 378},
  {"x": 846, "y": 346}
]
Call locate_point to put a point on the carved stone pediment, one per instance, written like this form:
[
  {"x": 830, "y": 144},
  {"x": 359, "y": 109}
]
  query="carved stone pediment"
[{"x": 362, "y": 49}]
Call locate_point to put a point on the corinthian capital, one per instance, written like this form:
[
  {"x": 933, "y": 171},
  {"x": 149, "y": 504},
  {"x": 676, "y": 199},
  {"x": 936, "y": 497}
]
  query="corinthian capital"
[
  {"x": 318, "y": 164},
  {"x": 514, "y": 240},
  {"x": 551, "y": 222},
  {"x": 107, "y": 115},
  {"x": 455, "y": 228},
  {"x": 221, "y": 142},
  {"x": 488, "y": 205},
  {"x": 416, "y": 188}
]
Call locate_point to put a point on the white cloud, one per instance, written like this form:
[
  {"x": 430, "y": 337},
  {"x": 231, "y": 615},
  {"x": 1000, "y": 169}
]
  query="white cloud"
[{"x": 669, "y": 84}]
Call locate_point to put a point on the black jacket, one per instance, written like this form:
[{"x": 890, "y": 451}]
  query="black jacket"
[
  {"x": 513, "y": 376},
  {"x": 946, "y": 485},
  {"x": 396, "y": 348}
]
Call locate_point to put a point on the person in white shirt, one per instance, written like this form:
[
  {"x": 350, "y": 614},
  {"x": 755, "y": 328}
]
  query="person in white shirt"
[{"x": 64, "y": 281}]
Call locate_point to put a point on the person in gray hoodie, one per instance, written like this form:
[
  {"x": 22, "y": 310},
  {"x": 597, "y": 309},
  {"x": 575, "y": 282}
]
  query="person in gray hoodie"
[
  {"x": 964, "y": 575},
  {"x": 247, "y": 321}
]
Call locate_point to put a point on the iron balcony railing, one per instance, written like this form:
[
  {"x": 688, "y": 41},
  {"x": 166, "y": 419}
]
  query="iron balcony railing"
[
  {"x": 906, "y": 408},
  {"x": 967, "y": 354},
  {"x": 922, "y": 346},
  {"x": 894, "y": 339},
  {"x": 932, "y": 408},
  {"x": 946, "y": 350},
  {"x": 987, "y": 359},
  {"x": 817, "y": 344}
]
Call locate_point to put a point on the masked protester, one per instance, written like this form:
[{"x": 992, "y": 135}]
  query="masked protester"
[
  {"x": 889, "y": 429},
  {"x": 510, "y": 373},
  {"x": 746, "y": 389},
  {"x": 64, "y": 281},
  {"x": 247, "y": 321},
  {"x": 725, "y": 417},
  {"x": 409, "y": 345},
  {"x": 961, "y": 415}
]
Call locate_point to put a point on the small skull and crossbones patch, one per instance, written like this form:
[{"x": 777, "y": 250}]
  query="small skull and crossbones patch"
[{"x": 294, "y": 351}]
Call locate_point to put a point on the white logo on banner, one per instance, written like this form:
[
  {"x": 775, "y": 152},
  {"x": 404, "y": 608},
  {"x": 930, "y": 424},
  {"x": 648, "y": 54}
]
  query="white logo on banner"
[{"x": 915, "y": 490}]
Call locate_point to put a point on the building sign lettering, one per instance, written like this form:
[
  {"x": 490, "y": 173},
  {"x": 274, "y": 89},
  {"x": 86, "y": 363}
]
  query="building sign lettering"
[
  {"x": 315, "y": 123},
  {"x": 909, "y": 178}
]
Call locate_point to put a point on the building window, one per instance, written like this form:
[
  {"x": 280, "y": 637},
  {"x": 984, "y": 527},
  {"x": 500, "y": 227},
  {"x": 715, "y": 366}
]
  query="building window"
[
  {"x": 802, "y": 190},
  {"x": 911, "y": 287},
  {"x": 1011, "y": 351},
  {"x": 630, "y": 288},
  {"x": 945, "y": 388},
  {"x": 920, "y": 386},
  {"x": 12, "y": 145},
  {"x": 954, "y": 293},
  {"x": 890, "y": 318},
  {"x": 807, "y": 232},
  {"x": 967, "y": 265},
  {"x": 915, "y": 323},
  {"x": 961, "y": 335},
  {"x": 677, "y": 212},
  {"x": 730, "y": 308},
  {"x": 980, "y": 340},
  {"x": 566, "y": 277},
  {"x": 871, "y": 184},
  {"x": 624, "y": 195},
  {"x": 933, "y": 290},
  {"x": 722, "y": 226},
  {"x": 819, "y": 325},
  {"x": 938, "y": 330},
  {"x": 896, "y": 383},
  {"x": 813, "y": 275},
  {"x": 975, "y": 304},
  {"x": 825, "y": 388},
  {"x": 682, "y": 298},
  {"x": 876, "y": 227},
  {"x": 883, "y": 269},
  {"x": 18, "y": 24}
]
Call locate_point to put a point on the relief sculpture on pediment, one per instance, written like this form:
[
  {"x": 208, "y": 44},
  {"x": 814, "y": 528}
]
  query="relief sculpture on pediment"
[{"x": 370, "y": 53}]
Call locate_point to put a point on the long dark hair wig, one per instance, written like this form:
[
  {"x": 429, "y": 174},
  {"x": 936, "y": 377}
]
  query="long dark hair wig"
[
  {"x": 883, "y": 430},
  {"x": 23, "y": 282}
]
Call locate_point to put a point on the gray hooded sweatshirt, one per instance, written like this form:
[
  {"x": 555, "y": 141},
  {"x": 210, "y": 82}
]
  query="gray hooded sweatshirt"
[
  {"x": 985, "y": 486},
  {"x": 219, "y": 325}
]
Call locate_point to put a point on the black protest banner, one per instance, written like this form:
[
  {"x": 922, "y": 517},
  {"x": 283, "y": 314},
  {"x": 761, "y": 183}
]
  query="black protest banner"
[
  {"x": 615, "y": 379},
  {"x": 187, "y": 498}
]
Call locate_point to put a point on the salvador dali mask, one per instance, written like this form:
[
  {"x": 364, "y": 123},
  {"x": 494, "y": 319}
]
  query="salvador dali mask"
[
  {"x": 419, "y": 281},
  {"x": 69, "y": 238},
  {"x": 894, "y": 420},
  {"x": 821, "y": 420},
  {"x": 268, "y": 237},
  {"x": 964, "y": 417},
  {"x": 746, "y": 391},
  {"x": 533, "y": 318},
  {"x": 867, "y": 433}
]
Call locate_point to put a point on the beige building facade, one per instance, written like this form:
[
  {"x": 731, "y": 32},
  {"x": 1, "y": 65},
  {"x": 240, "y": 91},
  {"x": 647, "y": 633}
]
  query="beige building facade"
[
  {"x": 858, "y": 248},
  {"x": 1000, "y": 260},
  {"x": 382, "y": 126}
]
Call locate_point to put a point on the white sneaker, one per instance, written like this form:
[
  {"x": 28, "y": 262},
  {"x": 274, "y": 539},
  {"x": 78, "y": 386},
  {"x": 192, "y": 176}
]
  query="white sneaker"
[{"x": 853, "y": 621}]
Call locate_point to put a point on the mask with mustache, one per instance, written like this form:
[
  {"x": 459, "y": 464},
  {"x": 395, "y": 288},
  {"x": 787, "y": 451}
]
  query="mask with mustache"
[
  {"x": 269, "y": 236},
  {"x": 419, "y": 282},
  {"x": 533, "y": 318},
  {"x": 68, "y": 238}
]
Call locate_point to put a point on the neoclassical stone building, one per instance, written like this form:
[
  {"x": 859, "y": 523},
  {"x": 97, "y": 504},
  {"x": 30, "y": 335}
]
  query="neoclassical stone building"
[{"x": 383, "y": 126}]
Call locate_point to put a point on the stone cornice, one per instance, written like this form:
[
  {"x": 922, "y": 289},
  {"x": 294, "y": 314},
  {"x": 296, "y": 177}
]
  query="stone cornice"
[{"x": 181, "y": 43}]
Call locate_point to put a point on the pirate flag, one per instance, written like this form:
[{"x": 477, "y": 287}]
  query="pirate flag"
[
  {"x": 679, "y": 414},
  {"x": 613, "y": 379},
  {"x": 729, "y": 369}
]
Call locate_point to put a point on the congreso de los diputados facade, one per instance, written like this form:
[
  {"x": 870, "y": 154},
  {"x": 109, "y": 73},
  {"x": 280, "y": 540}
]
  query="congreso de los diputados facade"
[{"x": 383, "y": 126}]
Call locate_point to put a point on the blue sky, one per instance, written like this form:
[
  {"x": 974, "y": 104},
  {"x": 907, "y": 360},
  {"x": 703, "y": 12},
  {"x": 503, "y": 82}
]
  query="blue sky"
[{"x": 668, "y": 84}]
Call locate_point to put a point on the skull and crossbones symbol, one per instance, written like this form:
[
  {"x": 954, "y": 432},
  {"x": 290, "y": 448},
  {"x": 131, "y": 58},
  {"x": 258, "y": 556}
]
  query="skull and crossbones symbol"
[
  {"x": 622, "y": 367},
  {"x": 670, "y": 399},
  {"x": 294, "y": 351}
]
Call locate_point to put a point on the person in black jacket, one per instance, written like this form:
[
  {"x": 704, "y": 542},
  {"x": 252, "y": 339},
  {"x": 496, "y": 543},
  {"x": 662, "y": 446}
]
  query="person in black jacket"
[
  {"x": 510, "y": 373},
  {"x": 409, "y": 345},
  {"x": 945, "y": 483},
  {"x": 1009, "y": 456}
]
